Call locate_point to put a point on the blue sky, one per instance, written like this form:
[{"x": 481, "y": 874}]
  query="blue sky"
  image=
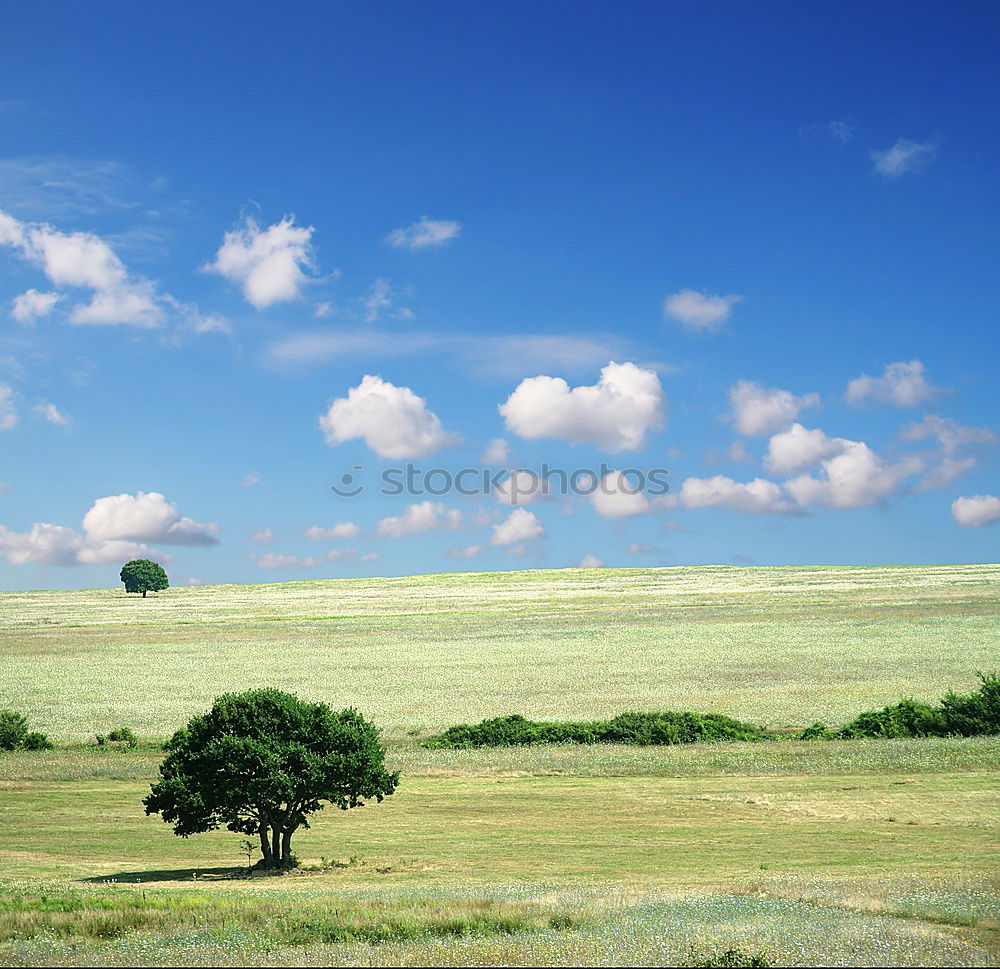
[{"x": 752, "y": 245}]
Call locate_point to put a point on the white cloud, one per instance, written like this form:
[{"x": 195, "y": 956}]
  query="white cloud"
[
  {"x": 617, "y": 497},
  {"x": 424, "y": 516},
  {"x": 904, "y": 156},
  {"x": 497, "y": 452},
  {"x": 615, "y": 414},
  {"x": 53, "y": 415},
  {"x": 521, "y": 487},
  {"x": 340, "y": 530},
  {"x": 976, "y": 511},
  {"x": 250, "y": 479},
  {"x": 84, "y": 260},
  {"x": 699, "y": 311},
  {"x": 144, "y": 517},
  {"x": 640, "y": 548},
  {"x": 381, "y": 298},
  {"x": 855, "y": 478},
  {"x": 424, "y": 234},
  {"x": 275, "y": 560},
  {"x": 31, "y": 305},
  {"x": 520, "y": 525},
  {"x": 949, "y": 434},
  {"x": 737, "y": 453},
  {"x": 903, "y": 384},
  {"x": 591, "y": 562},
  {"x": 758, "y": 497},
  {"x": 761, "y": 410},
  {"x": 467, "y": 552},
  {"x": 262, "y": 536},
  {"x": 393, "y": 421},
  {"x": 948, "y": 470},
  {"x": 266, "y": 263},
  {"x": 8, "y": 408},
  {"x": 799, "y": 448},
  {"x": 48, "y": 544}
]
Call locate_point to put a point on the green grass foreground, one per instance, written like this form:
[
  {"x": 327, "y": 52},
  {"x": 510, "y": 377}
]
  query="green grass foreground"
[{"x": 858, "y": 852}]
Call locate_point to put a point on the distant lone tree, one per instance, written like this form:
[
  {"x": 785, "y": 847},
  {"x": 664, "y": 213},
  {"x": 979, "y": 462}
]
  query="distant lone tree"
[
  {"x": 141, "y": 575},
  {"x": 260, "y": 762}
]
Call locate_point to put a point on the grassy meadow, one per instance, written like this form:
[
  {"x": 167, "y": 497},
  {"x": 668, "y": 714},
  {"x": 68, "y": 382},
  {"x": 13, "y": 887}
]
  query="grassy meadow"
[{"x": 861, "y": 852}]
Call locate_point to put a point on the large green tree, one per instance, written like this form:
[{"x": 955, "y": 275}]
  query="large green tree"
[
  {"x": 141, "y": 575},
  {"x": 261, "y": 762}
]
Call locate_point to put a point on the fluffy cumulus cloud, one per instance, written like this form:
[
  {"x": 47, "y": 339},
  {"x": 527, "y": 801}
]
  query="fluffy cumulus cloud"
[
  {"x": 855, "y": 478},
  {"x": 262, "y": 536},
  {"x": 903, "y": 384},
  {"x": 762, "y": 410},
  {"x": 519, "y": 526},
  {"x": 424, "y": 234},
  {"x": 48, "y": 544},
  {"x": 393, "y": 421},
  {"x": 617, "y": 497},
  {"x": 699, "y": 311},
  {"x": 799, "y": 447},
  {"x": 31, "y": 305},
  {"x": 145, "y": 517},
  {"x": 85, "y": 261},
  {"x": 590, "y": 562},
  {"x": 904, "y": 156},
  {"x": 424, "y": 516},
  {"x": 115, "y": 528},
  {"x": 976, "y": 511},
  {"x": 758, "y": 497},
  {"x": 8, "y": 407},
  {"x": 521, "y": 487},
  {"x": 615, "y": 414},
  {"x": 267, "y": 264},
  {"x": 340, "y": 530}
]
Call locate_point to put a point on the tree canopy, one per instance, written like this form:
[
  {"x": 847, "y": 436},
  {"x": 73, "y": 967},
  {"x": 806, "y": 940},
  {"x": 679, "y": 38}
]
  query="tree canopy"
[
  {"x": 260, "y": 762},
  {"x": 141, "y": 575}
]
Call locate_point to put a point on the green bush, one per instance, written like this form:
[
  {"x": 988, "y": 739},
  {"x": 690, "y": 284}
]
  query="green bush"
[
  {"x": 731, "y": 958},
  {"x": 124, "y": 737},
  {"x": 14, "y": 733},
  {"x": 817, "y": 731},
  {"x": 36, "y": 741},
  {"x": 637, "y": 729},
  {"x": 13, "y": 729},
  {"x": 959, "y": 715}
]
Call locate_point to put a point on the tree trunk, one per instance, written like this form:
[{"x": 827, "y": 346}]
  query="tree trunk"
[
  {"x": 276, "y": 847},
  {"x": 144, "y": 593},
  {"x": 265, "y": 846},
  {"x": 286, "y": 848}
]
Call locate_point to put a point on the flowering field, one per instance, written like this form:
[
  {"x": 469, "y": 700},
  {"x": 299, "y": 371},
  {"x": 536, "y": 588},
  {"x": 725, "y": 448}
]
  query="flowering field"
[
  {"x": 855, "y": 852},
  {"x": 775, "y": 646}
]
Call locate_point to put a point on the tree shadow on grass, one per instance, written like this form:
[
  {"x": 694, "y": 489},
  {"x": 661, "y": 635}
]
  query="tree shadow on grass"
[{"x": 170, "y": 875}]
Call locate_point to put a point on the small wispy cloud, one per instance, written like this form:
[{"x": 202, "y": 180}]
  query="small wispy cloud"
[
  {"x": 904, "y": 156},
  {"x": 424, "y": 234}
]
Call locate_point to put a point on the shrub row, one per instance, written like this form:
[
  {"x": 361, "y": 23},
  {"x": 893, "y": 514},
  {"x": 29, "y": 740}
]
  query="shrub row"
[
  {"x": 640, "y": 729},
  {"x": 957, "y": 715}
]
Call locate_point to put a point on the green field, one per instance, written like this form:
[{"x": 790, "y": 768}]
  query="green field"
[
  {"x": 847, "y": 852},
  {"x": 776, "y": 646}
]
